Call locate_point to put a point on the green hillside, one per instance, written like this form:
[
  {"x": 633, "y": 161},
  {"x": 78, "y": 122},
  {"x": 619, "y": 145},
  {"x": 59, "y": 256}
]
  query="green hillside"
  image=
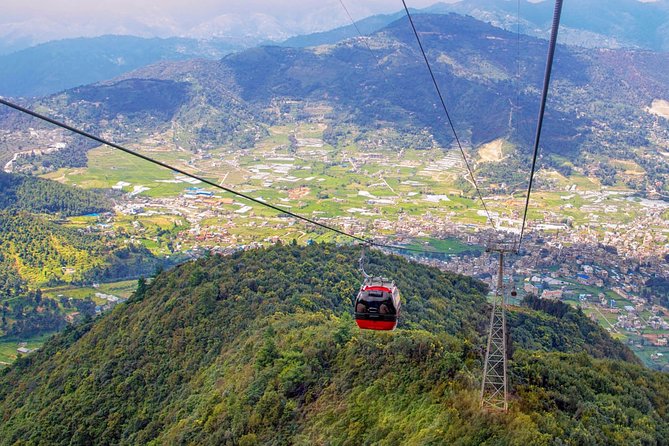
[
  {"x": 260, "y": 348},
  {"x": 41, "y": 252},
  {"x": 43, "y": 196},
  {"x": 38, "y": 251}
]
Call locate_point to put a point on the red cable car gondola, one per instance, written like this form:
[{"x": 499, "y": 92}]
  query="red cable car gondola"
[{"x": 377, "y": 305}]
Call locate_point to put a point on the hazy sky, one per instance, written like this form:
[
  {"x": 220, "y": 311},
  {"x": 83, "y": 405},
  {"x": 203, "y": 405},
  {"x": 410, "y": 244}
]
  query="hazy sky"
[
  {"x": 28, "y": 22},
  {"x": 180, "y": 10},
  {"x": 163, "y": 17},
  {"x": 41, "y": 20}
]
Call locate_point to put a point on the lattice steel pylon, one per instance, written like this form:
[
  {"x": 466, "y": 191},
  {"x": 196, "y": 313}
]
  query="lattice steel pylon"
[{"x": 494, "y": 390}]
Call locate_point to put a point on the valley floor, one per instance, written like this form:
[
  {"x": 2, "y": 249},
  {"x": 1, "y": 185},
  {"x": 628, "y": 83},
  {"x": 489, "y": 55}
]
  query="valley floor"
[{"x": 587, "y": 244}]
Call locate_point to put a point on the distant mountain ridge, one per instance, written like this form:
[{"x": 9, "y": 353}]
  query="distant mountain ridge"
[
  {"x": 587, "y": 23},
  {"x": 58, "y": 65},
  {"x": 366, "y": 26},
  {"x": 469, "y": 55}
]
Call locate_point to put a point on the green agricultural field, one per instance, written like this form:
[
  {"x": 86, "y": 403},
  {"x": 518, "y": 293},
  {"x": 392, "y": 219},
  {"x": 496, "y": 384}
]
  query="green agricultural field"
[
  {"x": 8, "y": 346},
  {"x": 595, "y": 291},
  {"x": 334, "y": 182},
  {"x": 450, "y": 246},
  {"x": 606, "y": 320},
  {"x": 73, "y": 292},
  {"x": 163, "y": 221},
  {"x": 107, "y": 167},
  {"x": 81, "y": 221},
  {"x": 648, "y": 355},
  {"x": 151, "y": 245},
  {"x": 123, "y": 289}
]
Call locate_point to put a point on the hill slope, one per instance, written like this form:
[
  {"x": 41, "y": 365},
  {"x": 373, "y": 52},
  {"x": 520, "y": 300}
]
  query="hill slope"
[
  {"x": 37, "y": 251},
  {"x": 260, "y": 348},
  {"x": 43, "y": 196}
]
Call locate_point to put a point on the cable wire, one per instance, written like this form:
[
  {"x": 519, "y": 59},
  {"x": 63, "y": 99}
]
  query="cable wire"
[
  {"x": 448, "y": 116},
  {"x": 378, "y": 61},
  {"x": 518, "y": 68},
  {"x": 544, "y": 95},
  {"x": 204, "y": 180}
]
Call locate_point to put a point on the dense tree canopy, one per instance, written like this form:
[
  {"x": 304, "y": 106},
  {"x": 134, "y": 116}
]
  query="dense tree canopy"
[
  {"x": 37, "y": 252},
  {"x": 260, "y": 348},
  {"x": 44, "y": 196}
]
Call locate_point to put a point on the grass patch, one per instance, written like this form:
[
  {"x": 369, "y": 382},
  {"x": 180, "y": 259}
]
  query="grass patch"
[
  {"x": 8, "y": 346},
  {"x": 122, "y": 289},
  {"x": 107, "y": 167},
  {"x": 450, "y": 246}
]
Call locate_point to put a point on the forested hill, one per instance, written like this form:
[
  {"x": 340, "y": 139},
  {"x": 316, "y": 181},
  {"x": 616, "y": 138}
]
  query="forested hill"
[
  {"x": 45, "y": 196},
  {"x": 260, "y": 348},
  {"x": 37, "y": 252}
]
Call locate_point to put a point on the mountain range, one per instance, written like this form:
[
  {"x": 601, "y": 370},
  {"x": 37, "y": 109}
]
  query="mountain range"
[
  {"x": 599, "y": 105},
  {"x": 56, "y": 65},
  {"x": 589, "y": 23},
  {"x": 242, "y": 25}
]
